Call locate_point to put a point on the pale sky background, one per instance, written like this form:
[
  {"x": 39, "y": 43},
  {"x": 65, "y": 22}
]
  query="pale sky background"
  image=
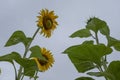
[{"x": 21, "y": 15}]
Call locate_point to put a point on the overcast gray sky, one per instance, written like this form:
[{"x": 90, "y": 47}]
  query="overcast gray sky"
[{"x": 21, "y": 15}]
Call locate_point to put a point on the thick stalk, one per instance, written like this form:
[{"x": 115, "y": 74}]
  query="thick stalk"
[
  {"x": 25, "y": 53},
  {"x": 103, "y": 59},
  {"x": 27, "y": 48},
  {"x": 96, "y": 38},
  {"x": 35, "y": 78},
  {"x": 22, "y": 77},
  {"x": 15, "y": 70}
]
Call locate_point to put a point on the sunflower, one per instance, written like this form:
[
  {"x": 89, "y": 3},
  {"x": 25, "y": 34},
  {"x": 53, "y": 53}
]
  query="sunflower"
[
  {"x": 46, "y": 21},
  {"x": 45, "y": 65}
]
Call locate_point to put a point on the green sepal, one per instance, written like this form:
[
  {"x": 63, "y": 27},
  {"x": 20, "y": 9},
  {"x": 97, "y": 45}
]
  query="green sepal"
[
  {"x": 84, "y": 78},
  {"x": 36, "y": 53},
  {"x": 81, "y": 33},
  {"x": 17, "y": 37}
]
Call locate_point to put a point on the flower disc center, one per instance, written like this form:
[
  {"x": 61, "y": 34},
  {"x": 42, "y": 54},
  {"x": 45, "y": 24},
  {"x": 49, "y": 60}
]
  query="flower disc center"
[
  {"x": 47, "y": 23},
  {"x": 42, "y": 62}
]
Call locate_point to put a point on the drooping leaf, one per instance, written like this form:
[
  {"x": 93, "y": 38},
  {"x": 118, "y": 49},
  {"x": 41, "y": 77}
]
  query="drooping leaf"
[
  {"x": 17, "y": 37},
  {"x": 97, "y": 74},
  {"x": 114, "y": 70},
  {"x": 85, "y": 55},
  {"x": 10, "y": 57},
  {"x": 105, "y": 30},
  {"x": 36, "y": 52},
  {"x": 81, "y": 33},
  {"x": 95, "y": 24},
  {"x": 114, "y": 42},
  {"x": 84, "y": 78}
]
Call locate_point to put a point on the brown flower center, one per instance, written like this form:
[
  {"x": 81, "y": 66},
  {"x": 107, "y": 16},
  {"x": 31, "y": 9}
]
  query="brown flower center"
[
  {"x": 47, "y": 23},
  {"x": 43, "y": 62}
]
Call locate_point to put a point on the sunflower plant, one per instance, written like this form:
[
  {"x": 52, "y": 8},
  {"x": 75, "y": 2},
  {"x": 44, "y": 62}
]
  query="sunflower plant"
[
  {"x": 91, "y": 56},
  {"x": 39, "y": 59}
]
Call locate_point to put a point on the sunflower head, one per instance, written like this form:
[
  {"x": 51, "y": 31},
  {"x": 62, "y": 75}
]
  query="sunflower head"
[
  {"x": 44, "y": 65},
  {"x": 47, "y": 22}
]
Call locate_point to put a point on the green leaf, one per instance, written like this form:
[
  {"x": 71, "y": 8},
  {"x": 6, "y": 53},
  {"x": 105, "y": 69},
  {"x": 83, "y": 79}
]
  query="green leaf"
[
  {"x": 27, "y": 41},
  {"x": 114, "y": 42},
  {"x": 85, "y": 55},
  {"x": 114, "y": 70},
  {"x": 30, "y": 68},
  {"x": 84, "y": 78},
  {"x": 81, "y": 65},
  {"x": 96, "y": 24},
  {"x": 10, "y": 57},
  {"x": 29, "y": 65},
  {"x": 36, "y": 52},
  {"x": 105, "y": 30},
  {"x": 88, "y": 42},
  {"x": 29, "y": 72},
  {"x": 17, "y": 37},
  {"x": 81, "y": 33},
  {"x": 97, "y": 74}
]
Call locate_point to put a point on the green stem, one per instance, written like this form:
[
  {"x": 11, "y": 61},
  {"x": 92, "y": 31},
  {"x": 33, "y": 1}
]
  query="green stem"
[
  {"x": 15, "y": 70},
  {"x": 96, "y": 38},
  {"x": 101, "y": 70},
  {"x": 20, "y": 69},
  {"x": 22, "y": 77},
  {"x": 104, "y": 64},
  {"x": 103, "y": 59},
  {"x": 25, "y": 53},
  {"x": 35, "y": 78},
  {"x": 27, "y": 48}
]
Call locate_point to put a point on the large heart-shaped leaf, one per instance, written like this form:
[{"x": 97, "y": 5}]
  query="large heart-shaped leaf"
[{"x": 85, "y": 55}]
